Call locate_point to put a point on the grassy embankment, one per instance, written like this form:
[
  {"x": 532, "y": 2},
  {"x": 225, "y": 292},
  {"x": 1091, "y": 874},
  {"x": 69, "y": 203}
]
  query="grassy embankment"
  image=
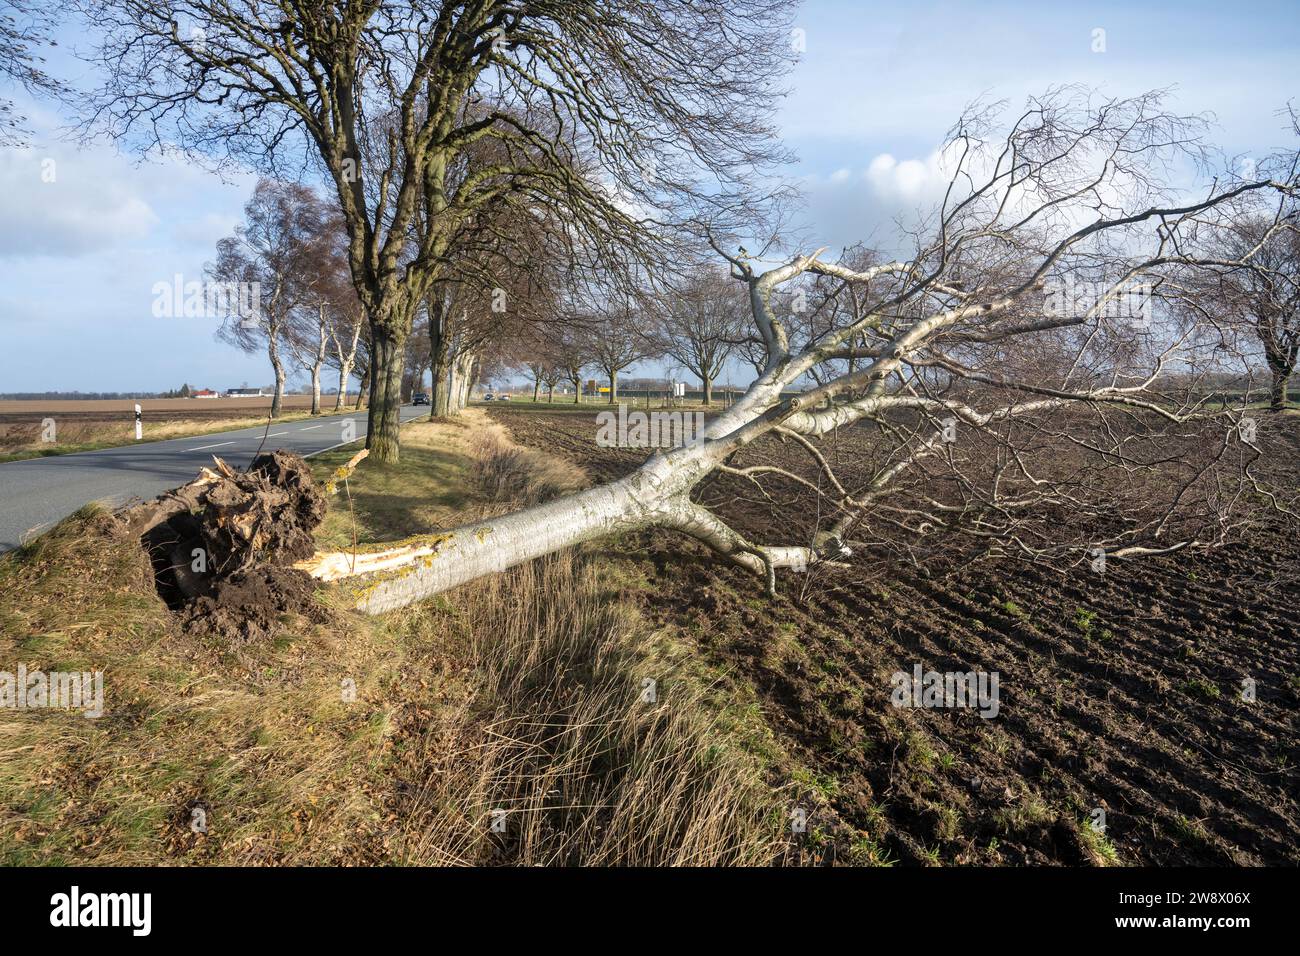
[{"x": 390, "y": 740}]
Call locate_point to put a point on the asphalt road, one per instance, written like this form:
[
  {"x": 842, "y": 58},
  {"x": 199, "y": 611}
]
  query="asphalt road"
[{"x": 37, "y": 492}]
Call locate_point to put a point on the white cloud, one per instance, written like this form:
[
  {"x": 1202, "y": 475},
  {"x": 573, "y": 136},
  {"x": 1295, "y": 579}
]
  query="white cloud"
[
  {"x": 861, "y": 205},
  {"x": 79, "y": 257},
  {"x": 63, "y": 203},
  {"x": 910, "y": 180},
  {"x": 207, "y": 229}
]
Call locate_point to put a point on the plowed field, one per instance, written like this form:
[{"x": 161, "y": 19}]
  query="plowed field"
[{"x": 1159, "y": 698}]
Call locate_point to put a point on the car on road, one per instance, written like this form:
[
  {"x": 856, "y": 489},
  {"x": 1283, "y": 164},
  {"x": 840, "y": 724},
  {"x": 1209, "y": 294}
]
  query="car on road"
[
  {"x": 503, "y": 398},
  {"x": 420, "y": 398}
]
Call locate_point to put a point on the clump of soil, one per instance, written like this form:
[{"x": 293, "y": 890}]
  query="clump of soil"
[
  {"x": 251, "y": 605},
  {"x": 265, "y": 513},
  {"x": 222, "y": 546}
]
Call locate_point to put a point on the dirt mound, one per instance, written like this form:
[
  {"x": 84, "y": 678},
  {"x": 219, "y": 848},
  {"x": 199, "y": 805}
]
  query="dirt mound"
[
  {"x": 268, "y": 511},
  {"x": 251, "y": 605},
  {"x": 221, "y": 545}
]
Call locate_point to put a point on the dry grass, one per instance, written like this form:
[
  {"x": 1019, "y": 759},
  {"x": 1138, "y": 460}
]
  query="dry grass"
[
  {"x": 522, "y": 693},
  {"x": 509, "y": 475},
  {"x": 257, "y": 736},
  {"x": 586, "y": 742}
]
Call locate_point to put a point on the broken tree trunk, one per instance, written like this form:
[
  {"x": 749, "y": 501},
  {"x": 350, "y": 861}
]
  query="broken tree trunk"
[
  {"x": 420, "y": 567},
  {"x": 657, "y": 494}
]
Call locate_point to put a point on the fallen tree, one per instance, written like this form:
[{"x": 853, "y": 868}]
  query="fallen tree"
[{"x": 1030, "y": 318}]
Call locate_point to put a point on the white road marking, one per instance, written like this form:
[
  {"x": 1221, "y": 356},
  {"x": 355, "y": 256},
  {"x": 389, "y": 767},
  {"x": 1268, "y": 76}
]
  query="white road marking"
[
  {"x": 309, "y": 428},
  {"x": 206, "y": 447},
  {"x": 276, "y": 434},
  {"x": 313, "y": 454},
  {"x": 359, "y": 438}
]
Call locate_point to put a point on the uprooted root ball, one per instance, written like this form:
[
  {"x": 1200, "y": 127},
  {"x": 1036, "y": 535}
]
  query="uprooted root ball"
[{"x": 222, "y": 544}]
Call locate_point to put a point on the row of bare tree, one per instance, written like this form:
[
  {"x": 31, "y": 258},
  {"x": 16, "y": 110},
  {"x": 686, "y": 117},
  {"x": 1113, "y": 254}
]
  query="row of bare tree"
[
  {"x": 1036, "y": 363},
  {"x": 478, "y": 144},
  {"x": 475, "y": 324},
  {"x": 292, "y": 244},
  {"x": 305, "y": 312},
  {"x": 697, "y": 324}
]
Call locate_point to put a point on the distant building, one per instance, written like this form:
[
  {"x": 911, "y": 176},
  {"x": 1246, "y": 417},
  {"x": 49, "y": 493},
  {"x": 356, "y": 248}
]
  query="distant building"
[
  {"x": 205, "y": 393},
  {"x": 644, "y": 384},
  {"x": 246, "y": 393}
]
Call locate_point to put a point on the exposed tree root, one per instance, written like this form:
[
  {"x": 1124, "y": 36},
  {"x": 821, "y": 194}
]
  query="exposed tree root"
[{"x": 226, "y": 523}]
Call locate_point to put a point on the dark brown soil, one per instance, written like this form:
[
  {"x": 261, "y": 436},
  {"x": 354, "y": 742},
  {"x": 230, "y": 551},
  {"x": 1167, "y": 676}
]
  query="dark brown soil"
[
  {"x": 1120, "y": 691},
  {"x": 252, "y": 605},
  {"x": 221, "y": 557}
]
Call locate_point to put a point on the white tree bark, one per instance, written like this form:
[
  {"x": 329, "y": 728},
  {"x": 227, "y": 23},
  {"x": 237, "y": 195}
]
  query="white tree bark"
[
  {"x": 462, "y": 370},
  {"x": 654, "y": 495},
  {"x": 277, "y": 366},
  {"x": 345, "y": 373},
  {"x": 318, "y": 359},
  {"x": 347, "y": 357}
]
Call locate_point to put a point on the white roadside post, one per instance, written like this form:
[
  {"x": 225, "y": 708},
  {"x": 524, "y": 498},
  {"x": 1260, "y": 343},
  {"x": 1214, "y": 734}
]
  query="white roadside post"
[{"x": 139, "y": 433}]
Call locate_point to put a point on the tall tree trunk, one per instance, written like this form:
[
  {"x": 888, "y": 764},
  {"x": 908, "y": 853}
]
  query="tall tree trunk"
[
  {"x": 315, "y": 389},
  {"x": 468, "y": 374},
  {"x": 442, "y": 360},
  {"x": 384, "y": 422},
  {"x": 318, "y": 360},
  {"x": 708, "y": 389},
  {"x": 273, "y": 350},
  {"x": 537, "y": 388},
  {"x": 346, "y": 362},
  {"x": 613, "y": 387},
  {"x": 439, "y": 349},
  {"x": 277, "y": 402},
  {"x": 364, "y": 388},
  {"x": 462, "y": 366},
  {"x": 442, "y": 393},
  {"x": 345, "y": 372},
  {"x": 1278, "y": 393}
]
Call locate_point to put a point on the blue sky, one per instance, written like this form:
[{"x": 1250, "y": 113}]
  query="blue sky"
[{"x": 877, "y": 87}]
